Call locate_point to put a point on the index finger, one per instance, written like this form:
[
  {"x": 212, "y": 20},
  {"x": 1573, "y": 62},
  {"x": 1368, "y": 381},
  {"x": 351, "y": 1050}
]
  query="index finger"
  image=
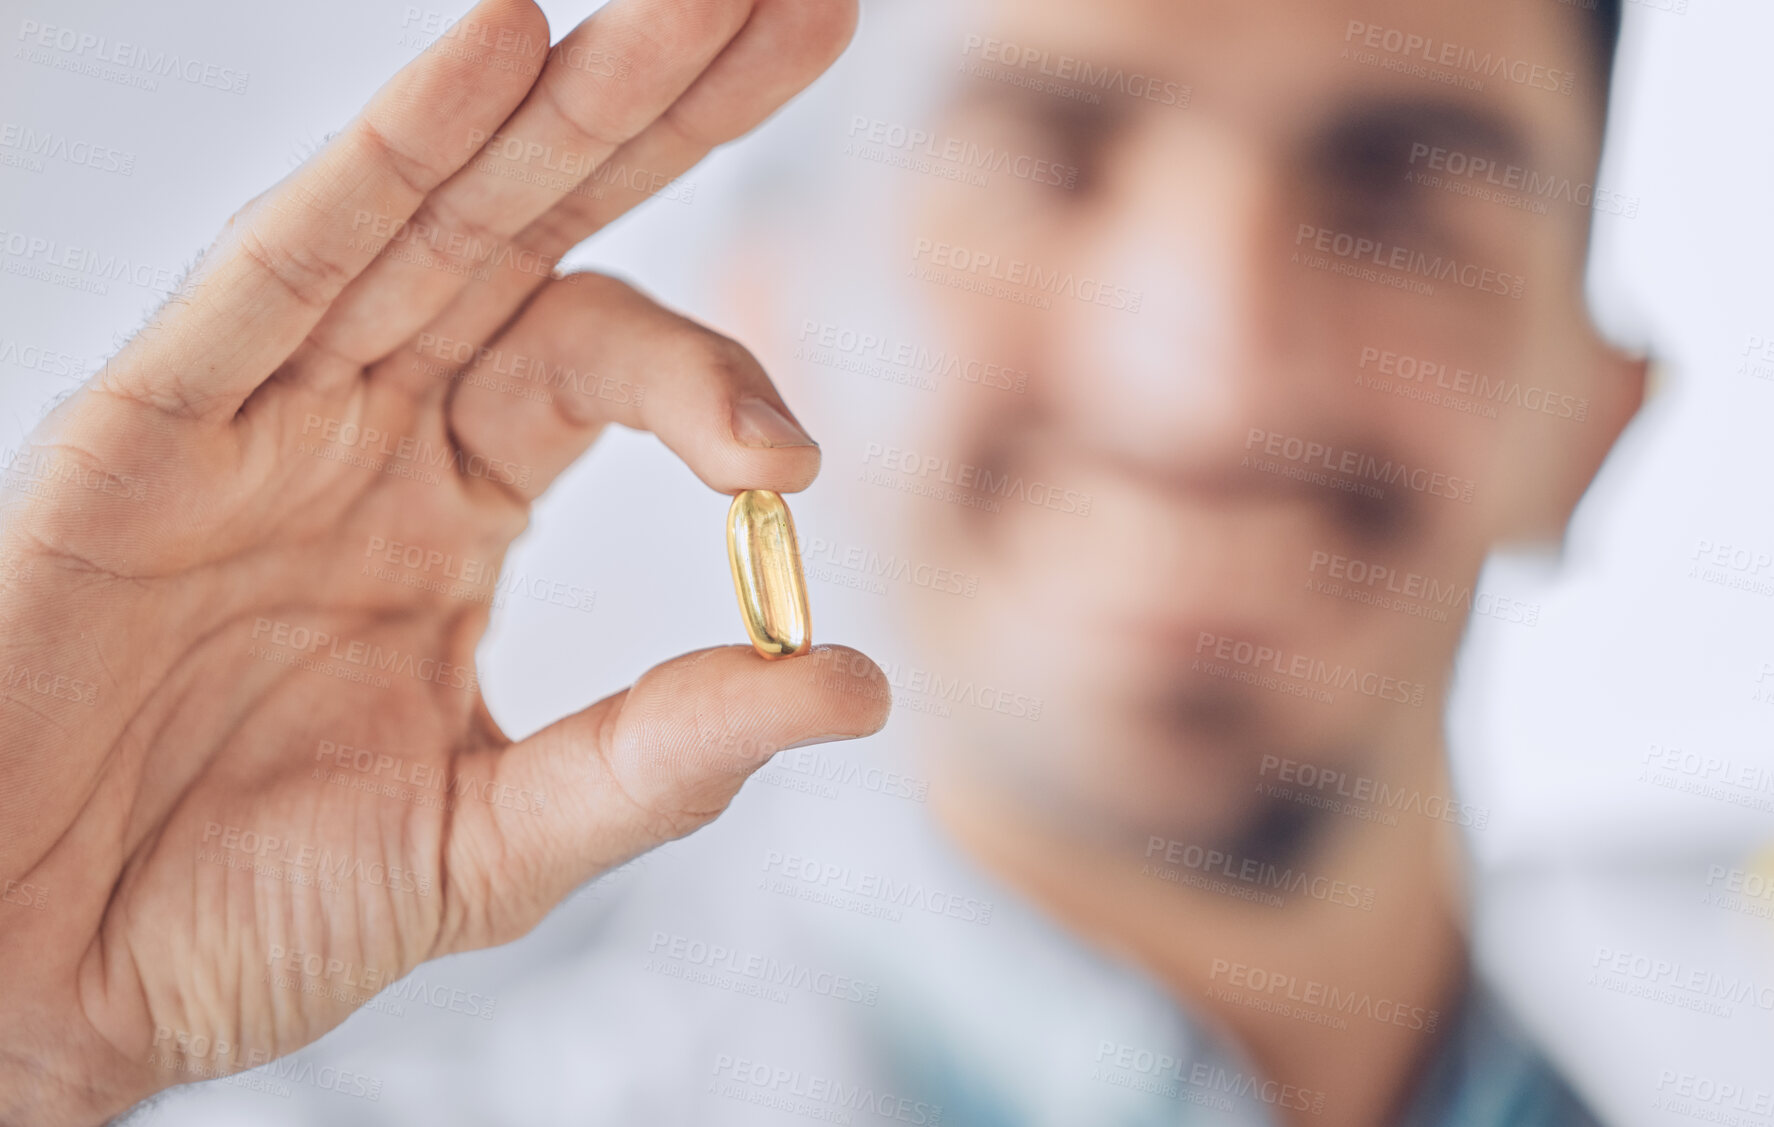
[{"x": 284, "y": 258}]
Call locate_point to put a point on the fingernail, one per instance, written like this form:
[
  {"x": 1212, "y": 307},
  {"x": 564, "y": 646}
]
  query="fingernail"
[
  {"x": 756, "y": 422},
  {"x": 811, "y": 740}
]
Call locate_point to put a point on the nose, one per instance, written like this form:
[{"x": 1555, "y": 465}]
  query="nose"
[{"x": 1196, "y": 224}]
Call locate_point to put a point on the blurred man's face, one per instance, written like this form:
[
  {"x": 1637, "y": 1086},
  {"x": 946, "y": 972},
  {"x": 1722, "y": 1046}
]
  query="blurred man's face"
[{"x": 1294, "y": 196}]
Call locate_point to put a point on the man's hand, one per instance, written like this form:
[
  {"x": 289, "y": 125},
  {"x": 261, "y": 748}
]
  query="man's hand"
[{"x": 246, "y": 773}]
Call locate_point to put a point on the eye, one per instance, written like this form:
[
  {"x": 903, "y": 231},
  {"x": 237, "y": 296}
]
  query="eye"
[
  {"x": 1364, "y": 167},
  {"x": 1051, "y": 149},
  {"x": 1368, "y": 186}
]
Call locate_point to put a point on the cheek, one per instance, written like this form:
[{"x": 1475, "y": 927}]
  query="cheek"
[
  {"x": 1035, "y": 225},
  {"x": 1460, "y": 395}
]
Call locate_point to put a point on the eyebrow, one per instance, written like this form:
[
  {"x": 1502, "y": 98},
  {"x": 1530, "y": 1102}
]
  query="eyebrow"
[
  {"x": 1373, "y": 135},
  {"x": 1386, "y": 133},
  {"x": 1071, "y": 114}
]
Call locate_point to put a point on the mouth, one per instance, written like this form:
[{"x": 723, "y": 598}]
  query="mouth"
[
  {"x": 1214, "y": 715},
  {"x": 1375, "y": 522},
  {"x": 1371, "y": 515}
]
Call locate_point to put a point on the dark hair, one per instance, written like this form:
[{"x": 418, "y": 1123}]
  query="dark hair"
[{"x": 1604, "y": 28}]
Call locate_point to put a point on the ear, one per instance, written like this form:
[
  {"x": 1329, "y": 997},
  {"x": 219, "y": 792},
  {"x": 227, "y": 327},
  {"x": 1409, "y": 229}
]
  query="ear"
[{"x": 1613, "y": 381}]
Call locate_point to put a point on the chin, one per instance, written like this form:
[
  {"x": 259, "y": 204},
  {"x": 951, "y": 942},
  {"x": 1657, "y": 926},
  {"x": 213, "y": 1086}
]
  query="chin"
[{"x": 1093, "y": 774}]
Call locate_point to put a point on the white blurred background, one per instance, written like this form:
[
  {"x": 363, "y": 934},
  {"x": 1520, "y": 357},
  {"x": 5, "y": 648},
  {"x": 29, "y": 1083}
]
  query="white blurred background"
[{"x": 1553, "y": 724}]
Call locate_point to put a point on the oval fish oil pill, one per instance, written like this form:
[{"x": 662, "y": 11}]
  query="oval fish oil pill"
[{"x": 767, "y": 574}]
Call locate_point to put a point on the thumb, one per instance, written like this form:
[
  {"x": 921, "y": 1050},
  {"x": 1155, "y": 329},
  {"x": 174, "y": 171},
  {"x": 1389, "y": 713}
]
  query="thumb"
[{"x": 640, "y": 768}]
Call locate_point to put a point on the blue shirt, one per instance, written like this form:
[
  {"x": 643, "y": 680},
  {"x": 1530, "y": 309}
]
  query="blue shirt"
[{"x": 998, "y": 1031}]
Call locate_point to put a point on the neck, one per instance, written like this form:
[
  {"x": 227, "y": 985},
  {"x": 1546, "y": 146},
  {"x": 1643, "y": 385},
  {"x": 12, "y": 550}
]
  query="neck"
[{"x": 1344, "y": 1001}]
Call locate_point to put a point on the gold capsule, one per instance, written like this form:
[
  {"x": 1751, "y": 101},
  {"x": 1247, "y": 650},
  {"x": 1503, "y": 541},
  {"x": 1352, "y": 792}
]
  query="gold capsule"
[{"x": 767, "y": 574}]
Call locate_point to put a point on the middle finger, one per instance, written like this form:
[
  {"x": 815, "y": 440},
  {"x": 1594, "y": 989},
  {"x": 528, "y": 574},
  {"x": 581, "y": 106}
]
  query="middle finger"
[{"x": 604, "y": 83}]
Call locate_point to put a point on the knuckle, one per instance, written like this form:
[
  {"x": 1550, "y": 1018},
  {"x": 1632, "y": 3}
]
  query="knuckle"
[
  {"x": 722, "y": 357},
  {"x": 668, "y": 801},
  {"x": 562, "y": 227},
  {"x": 672, "y": 757},
  {"x": 470, "y": 239},
  {"x": 311, "y": 279},
  {"x": 590, "y": 133},
  {"x": 693, "y": 136},
  {"x": 417, "y": 175},
  {"x": 169, "y": 394}
]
